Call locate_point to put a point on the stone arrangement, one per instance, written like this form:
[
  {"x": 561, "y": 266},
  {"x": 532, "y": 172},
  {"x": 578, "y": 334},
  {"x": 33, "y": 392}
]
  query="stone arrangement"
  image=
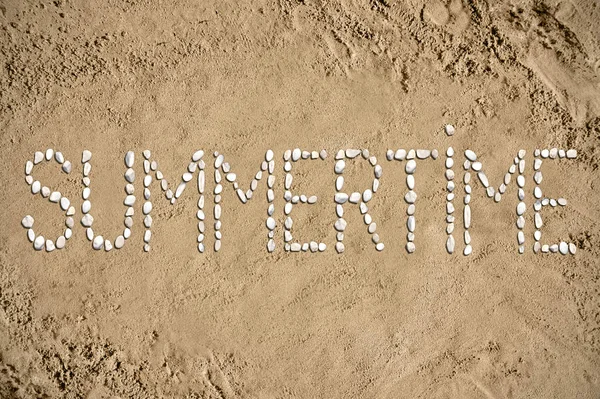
[
  {"x": 472, "y": 164},
  {"x": 223, "y": 173},
  {"x": 411, "y": 156},
  {"x": 361, "y": 199},
  {"x": 450, "y": 242},
  {"x": 267, "y": 166},
  {"x": 39, "y": 241},
  {"x": 541, "y": 201},
  {"x": 290, "y": 157},
  {"x": 197, "y": 164}
]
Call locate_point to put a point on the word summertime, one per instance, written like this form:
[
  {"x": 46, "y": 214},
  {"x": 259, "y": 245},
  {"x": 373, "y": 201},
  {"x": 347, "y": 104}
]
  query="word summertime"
[{"x": 223, "y": 176}]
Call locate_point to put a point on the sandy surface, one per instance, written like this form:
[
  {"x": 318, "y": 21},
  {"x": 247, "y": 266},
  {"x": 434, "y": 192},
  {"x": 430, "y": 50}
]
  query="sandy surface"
[{"x": 242, "y": 77}]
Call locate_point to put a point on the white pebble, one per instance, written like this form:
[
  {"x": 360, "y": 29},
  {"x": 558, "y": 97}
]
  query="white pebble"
[
  {"x": 38, "y": 157},
  {"x": 130, "y": 175},
  {"x": 410, "y": 197},
  {"x": 563, "y": 247},
  {"x": 98, "y": 242},
  {"x": 86, "y": 156},
  {"x": 64, "y": 203},
  {"x": 196, "y": 156},
  {"x": 471, "y": 156},
  {"x": 55, "y": 196},
  {"x": 39, "y": 242},
  {"x": 449, "y": 130},
  {"x": 129, "y": 159}
]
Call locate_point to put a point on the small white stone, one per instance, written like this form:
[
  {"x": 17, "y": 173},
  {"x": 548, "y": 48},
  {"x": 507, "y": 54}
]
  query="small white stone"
[
  {"x": 410, "y": 247},
  {"x": 563, "y": 247},
  {"x": 64, "y": 203},
  {"x": 400, "y": 154},
  {"x": 545, "y": 153},
  {"x": 271, "y": 223},
  {"x": 55, "y": 196},
  {"x": 339, "y": 166},
  {"x": 449, "y": 130},
  {"x": 98, "y": 242},
  {"x": 61, "y": 242},
  {"x": 411, "y": 154},
  {"x": 66, "y": 167},
  {"x": 296, "y": 154},
  {"x": 340, "y": 198},
  {"x": 410, "y": 197},
  {"x": 129, "y": 200},
  {"x": 27, "y": 221},
  {"x": 350, "y": 153},
  {"x": 50, "y": 246},
  {"x": 130, "y": 175},
  {"x": 571, "y": 153},
  {"x": 423, "y": 154},
  {"x": 87, "y": 168},
  {"x": 129, "y": 159},
  {"x": 471, "y": 156},
  {"x": 219, "y": 161},
  {"x": 147, "y": 208},
  {"x": 367, "y": 195},
  {"x": 180, "y": 189},
  {"x": 39, "y": 242},
  {"x": 36, "y": 187},
  {"x": 87, "y": 220},
  {"x": 312, "y": 199},
  {"x": 38, "y": 157},
  {"x": 378, "y": 171},
  {"x": 411, "y": 223},
  {"x": 467, "y": 216},
  {"x": 572, "y": 248},
  {"x": 340, "y": 224},
  {"x": 520, "y": 238},
  {"x": 450, "y": 152},
  {"x": 86, "y": 156},
  {"x": 196, "y": 156},
  {"x": 411, "y": 166},
  {"x": 521, "y": 208},
  {"x": 450, "y": 243},
  {"x": 354, "y": 197},
  {"x": 49, "y": 154},
  {"x": 476, "y": 166},
  {"x": 483, "y": 179},
  {"x": 468, "y": 250}
]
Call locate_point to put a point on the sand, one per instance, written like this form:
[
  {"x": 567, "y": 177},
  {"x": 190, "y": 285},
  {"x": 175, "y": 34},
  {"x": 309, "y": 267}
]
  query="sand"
[{"x": 240, "y": 78}]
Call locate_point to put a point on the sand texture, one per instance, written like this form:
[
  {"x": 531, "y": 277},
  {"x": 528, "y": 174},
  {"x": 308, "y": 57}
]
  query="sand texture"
[{"x": 242, "y": 77}]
